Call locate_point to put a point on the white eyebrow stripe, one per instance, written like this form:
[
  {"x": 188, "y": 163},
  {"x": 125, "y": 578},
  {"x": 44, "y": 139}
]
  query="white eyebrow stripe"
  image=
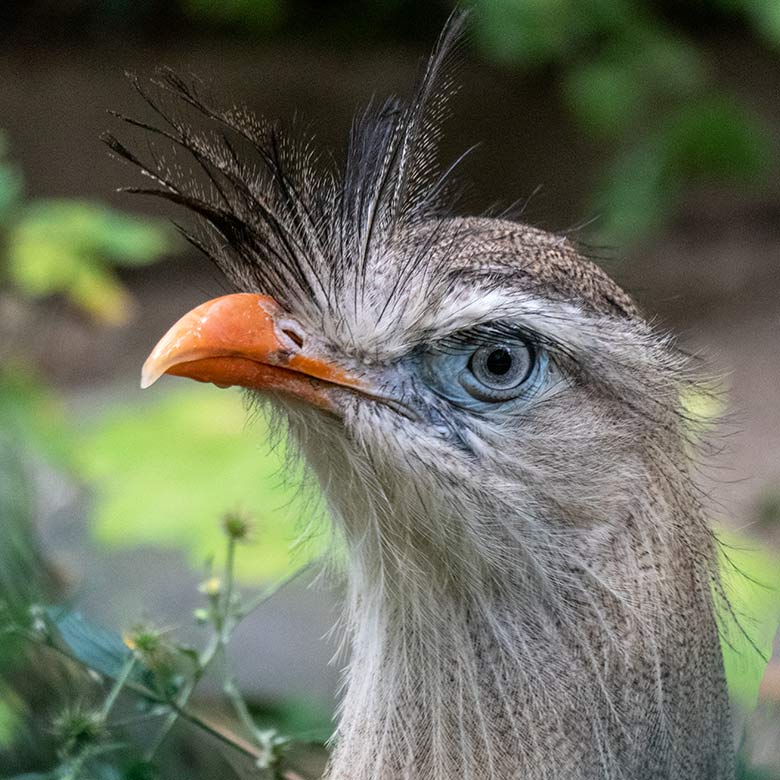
[
  {"x": 575, "y": 327},
  {"x": 556, "y": 321}
]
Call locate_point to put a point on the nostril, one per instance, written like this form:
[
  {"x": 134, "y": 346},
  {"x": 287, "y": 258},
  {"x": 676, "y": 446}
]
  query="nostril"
[{"x": 294, "y": 336}]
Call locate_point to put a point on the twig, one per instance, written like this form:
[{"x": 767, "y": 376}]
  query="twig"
[
  {"x": 116, "y": 688},
  {"x": 268, "y": 594}
]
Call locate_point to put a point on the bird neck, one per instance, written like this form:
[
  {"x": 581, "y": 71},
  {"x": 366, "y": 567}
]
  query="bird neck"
[
  {"x": 569, "y": 666},
  {"x": 515, "y": 645}
]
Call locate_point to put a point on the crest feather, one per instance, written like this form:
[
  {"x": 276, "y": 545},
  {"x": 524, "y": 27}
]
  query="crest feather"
[{"x": 275, "y": 217}]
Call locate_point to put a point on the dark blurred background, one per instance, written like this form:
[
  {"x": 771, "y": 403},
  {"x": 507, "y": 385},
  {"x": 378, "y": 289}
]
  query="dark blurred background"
[{"x": 648, "y": 131}]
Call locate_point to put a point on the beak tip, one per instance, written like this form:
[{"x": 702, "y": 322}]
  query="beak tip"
[{"x": 148, "y": 377}]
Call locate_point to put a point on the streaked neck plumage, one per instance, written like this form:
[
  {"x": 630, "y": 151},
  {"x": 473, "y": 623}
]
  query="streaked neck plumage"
[{"x": 583, "y": 653}]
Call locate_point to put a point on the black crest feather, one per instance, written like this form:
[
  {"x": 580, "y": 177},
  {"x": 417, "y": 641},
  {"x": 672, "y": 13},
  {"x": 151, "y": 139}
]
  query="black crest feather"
[{"x": 275, "y": 215}]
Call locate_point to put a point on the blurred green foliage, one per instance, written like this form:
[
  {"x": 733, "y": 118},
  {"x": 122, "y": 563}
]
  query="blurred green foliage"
[
  {"x": 33, "y": 435},
  {"x": 640, "y": 79},
  {"x": 751, "y": 579},
  {"x": 185, "y": 459},
  {"x": 637, "y": 78},
  {"x": 70, "y": 247},
  {"x": 252, "y": 16},
  {"x": 706, "y": 139},
  {"x": 190, "y": 454},
  {"x": 22, "y": 566},
  {"x": 645, "y": 91},
  {"x": 33, "y": 415},
  {"x": 11, "y": 181},
  {"x": 48, "y": 247}
]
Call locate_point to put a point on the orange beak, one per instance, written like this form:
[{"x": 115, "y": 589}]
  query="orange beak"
[{"x": 238, "y": 340}]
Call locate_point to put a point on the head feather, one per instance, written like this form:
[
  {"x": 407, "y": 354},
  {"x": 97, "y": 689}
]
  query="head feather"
[{"x": 275, "y": 216}]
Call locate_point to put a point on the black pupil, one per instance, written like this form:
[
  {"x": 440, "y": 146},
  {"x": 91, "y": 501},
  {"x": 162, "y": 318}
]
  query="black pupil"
[{"x": 499, "y": 361}]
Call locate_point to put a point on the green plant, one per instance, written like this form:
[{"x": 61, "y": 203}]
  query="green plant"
[
  {"x": 645, "y": 90},
  {"x": 184, "y": 452},
  {"x": 149, "y": 665},
  {"x": 255, "y": 16},
  {"x": 71, "y": 247},
  {"x": 48, "y": 247}
]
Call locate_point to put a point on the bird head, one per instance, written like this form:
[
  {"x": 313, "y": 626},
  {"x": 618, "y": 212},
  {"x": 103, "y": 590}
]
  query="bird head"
[{"x": 464, "y": 388}]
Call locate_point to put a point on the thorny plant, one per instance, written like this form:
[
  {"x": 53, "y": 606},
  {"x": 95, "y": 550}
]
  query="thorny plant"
[{"x": 162, "y": 674}]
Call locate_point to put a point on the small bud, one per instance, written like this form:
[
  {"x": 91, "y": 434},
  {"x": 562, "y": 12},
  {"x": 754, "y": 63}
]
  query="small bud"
[
  {"x": 201, "y": 616},
  {"x": 272, "y": 748},
  {"x": 211, "y": 587},
  {"x": 237, "y": 526},
  {"x": 150, "y": 648}
]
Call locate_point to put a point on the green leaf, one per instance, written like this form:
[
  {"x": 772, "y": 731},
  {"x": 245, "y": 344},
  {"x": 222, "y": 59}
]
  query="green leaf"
[
  {"x": 69, "y": 247},
  {"x": 536, "y": 33},
  {"x": 247, "y": 15},
  {"x": 669, "y": 64},
  {"x": 165, "y": 473},
  {"x": 140, "y": 770},
  {"x": 634, "y": 198},
  {"x": 22, "y": 568},
  {"x": 605, "y": 97},
  {"x": 101, "y": 650},
  {"x": 10, "y": 722},
  {"x": 33, "y": 416},
  {"x": 639, "y": 69},
  {"x": 531, "y": 32},
  {"x": 765, "y": 16},
  {"x": 11, "y": 188},
  {"x": 715, "y": 138},
  {"x": 11, "y": 181},
  {"x": 711, "y": 139},
  {"x": 91, "y": 228}
]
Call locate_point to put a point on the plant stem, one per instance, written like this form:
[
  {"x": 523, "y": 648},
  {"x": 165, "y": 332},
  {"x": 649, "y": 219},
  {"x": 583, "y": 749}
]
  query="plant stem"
[
  {"x": 225, "y": 617},
  {"x": 117, "y": 687},
  {"x": 269, "y": 593},
  {"x": 236, "y": 699},
  {"x": 230, "y": 579},
  {"x": 183, "y": 698},
  {"x": 150, "y": 695}
]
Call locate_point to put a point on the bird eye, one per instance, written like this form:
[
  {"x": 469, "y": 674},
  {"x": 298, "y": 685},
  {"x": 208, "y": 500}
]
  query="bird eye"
[
  {"x": 476, "y": 368},
  {"x": 497, "y": 371}
]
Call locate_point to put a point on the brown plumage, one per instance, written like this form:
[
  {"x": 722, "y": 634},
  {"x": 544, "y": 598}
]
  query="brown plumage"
[{"x": 502, "y": 447}]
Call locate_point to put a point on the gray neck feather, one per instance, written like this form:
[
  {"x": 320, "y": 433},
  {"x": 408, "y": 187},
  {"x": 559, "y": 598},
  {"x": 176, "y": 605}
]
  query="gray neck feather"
[{"x": 539, "y": 650}]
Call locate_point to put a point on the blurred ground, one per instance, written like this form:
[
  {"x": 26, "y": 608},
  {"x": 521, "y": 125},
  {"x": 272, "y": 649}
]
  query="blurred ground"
[{"x": 713, "y": 277}]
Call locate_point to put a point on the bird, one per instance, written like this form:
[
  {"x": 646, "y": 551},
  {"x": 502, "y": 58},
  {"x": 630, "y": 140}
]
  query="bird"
[{"x": 499, "y": 435}]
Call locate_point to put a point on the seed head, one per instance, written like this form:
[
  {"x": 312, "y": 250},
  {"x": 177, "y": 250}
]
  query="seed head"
[
  {"x": 237, "y": 526},
  {"x": 76, "y": 727}
]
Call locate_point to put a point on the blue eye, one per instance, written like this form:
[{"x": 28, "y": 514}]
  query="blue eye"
[
  {"x": 493, "y": 372},
  {"x": 497, "y": 371}
]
